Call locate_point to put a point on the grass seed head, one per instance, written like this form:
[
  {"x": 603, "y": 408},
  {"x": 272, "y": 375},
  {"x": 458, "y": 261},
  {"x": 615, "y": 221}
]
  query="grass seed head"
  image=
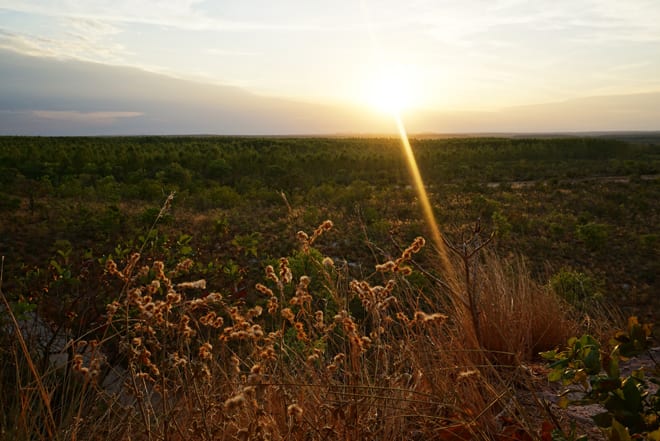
[
  {"x": 233, "y": 403},
  {"x": 205, "y": 351},
  {"x": 270, "y": 274},
  {"x": 295, "y": 412},
  {"x": 197, "y": 284}
]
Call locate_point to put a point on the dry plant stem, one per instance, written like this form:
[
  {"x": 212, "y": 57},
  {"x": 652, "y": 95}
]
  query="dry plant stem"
[
  {"x": 165, "y": 415},
  {"x": 50, "y": 420},
  {"x": 143, "y": 412},
  {"x": 466, "y": 256},
  {"x": 166, "y": 205},
  {"x": 74, "y": 434},
  {"x": 202, "y": 407}
]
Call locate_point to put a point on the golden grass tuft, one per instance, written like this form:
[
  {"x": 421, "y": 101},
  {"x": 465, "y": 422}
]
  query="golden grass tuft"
[{"x": 519, "y": 316}]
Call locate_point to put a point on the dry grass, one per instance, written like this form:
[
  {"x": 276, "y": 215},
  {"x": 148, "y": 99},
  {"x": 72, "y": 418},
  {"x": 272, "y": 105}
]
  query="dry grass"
[
  {"x": 317, "y": 357},
  {"x": 520, "y": 317}
]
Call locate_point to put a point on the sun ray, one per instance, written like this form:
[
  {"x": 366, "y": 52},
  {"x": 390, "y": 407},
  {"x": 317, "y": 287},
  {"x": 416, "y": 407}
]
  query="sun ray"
[{"x": 424, "y": 200}]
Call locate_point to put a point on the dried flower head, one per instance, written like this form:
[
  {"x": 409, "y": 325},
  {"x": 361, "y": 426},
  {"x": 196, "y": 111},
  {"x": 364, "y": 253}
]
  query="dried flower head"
[
  {"x": 385, "y": 267},
  {"x": 318, "y": 318},
  {"x": 295, "y": 412},
  {"x": 183, "y": 267},
  {"x": 173, "y": 298},
  {"x": 422, "y": 317},
  {"x": 264, "y": 289},
  {"x": 285, "y": 272},
  {"x": 272, "y": 305},
  {"x": 159, "y": 268},
  {"x": 111, "y": 268},
  {"x": 208, "y": 318},
  {"x": 205, "y": 351},
  {"x": 467, "y": 374},
  {"x": 288, "y": 315},
  {"x": 213, "y": 297},
  {"x": 270, "y": 274},
  {"x": 235, "y": 363},
  {"x": 197, "y": 284},
  {"x": 254, "y": 312},
  {"x": 300, "y": 331},
  {"x": 132, "y": 261},
  {"x": 234, "y": 402}
]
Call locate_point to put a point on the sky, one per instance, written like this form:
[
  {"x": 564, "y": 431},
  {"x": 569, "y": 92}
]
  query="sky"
[{"x": 416, "y": 55}]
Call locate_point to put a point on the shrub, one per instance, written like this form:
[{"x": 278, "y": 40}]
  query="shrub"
[
  {"x": 594, "y": 235},
  {"x": 501, "y": 224},
  {"x": 576, "y": 288}
]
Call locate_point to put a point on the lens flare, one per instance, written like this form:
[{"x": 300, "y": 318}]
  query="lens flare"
[{"x": 424, "y": 200}]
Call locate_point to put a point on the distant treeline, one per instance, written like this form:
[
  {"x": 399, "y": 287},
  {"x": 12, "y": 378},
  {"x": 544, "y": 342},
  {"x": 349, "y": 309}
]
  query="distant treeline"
[{"x": 221, "y": 168}]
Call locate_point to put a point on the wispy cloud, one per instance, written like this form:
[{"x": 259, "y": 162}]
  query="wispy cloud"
[
  {"x": 462, "y": 23},
  {"x": 29, "y": 45},
  {"x": 180, "y": 14},
  {"x": 88, "y": 46},
  {"x": 84, "y": 117}
]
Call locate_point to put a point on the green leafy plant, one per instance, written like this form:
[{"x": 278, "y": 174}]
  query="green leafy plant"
[
  {"x": 592, "y": 375},
  {"x": 594, "y": 235},
  {"x": 576, "y": 287}
]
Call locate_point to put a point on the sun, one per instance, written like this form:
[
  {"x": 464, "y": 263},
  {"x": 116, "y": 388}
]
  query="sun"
[{"x": 392, "y": 89}]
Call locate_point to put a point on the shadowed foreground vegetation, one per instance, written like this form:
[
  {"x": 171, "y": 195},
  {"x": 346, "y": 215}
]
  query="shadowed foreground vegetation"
[{"x": 216, "y": 316}]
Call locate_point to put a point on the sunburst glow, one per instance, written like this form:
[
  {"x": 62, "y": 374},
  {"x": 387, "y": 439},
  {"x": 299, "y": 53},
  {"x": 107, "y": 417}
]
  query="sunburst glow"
[{"x": 392, "y": 89}]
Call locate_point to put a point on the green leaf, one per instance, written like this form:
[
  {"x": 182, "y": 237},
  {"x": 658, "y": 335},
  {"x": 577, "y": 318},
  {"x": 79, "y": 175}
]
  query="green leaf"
[
  {"x": 555, "y": 375},
  {"x": 56, "y": 266},
  {"x": 184, "y": 239},
  {"x": 588, "y": 341},
  {"x": 632, "y": 396},
  {"x": 561, "y": 363},
  {"x": 592, "y": 361},
  {"x": 549, "y": 355},
  {"x": 611, "y": 365}
]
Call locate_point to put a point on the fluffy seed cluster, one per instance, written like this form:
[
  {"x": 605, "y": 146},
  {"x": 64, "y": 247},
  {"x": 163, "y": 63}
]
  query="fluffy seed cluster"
[
  {"x": 307, "y": 241},
  {"x": 378, "y": 297},
  {"x": 398, "y": 265}
]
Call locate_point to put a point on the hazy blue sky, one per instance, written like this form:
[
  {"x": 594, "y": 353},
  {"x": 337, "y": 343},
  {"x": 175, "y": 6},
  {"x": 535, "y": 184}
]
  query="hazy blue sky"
[{"x": 468, "y": 55}]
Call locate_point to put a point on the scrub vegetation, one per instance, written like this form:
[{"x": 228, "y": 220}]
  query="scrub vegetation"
[{"x": 175, "y": 288}]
